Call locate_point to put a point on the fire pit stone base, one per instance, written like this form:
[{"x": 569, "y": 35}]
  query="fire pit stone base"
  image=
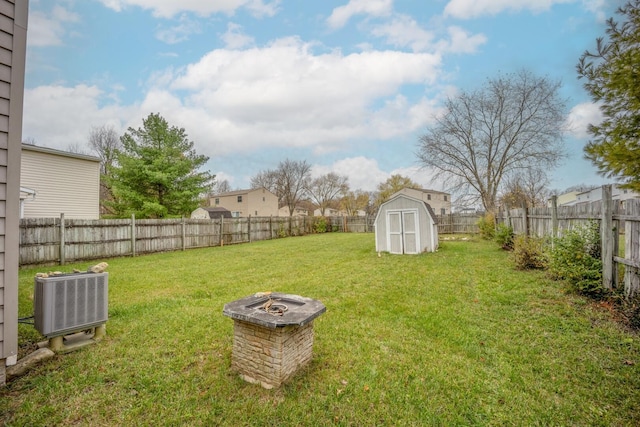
[{"x": 270, "y": 357}]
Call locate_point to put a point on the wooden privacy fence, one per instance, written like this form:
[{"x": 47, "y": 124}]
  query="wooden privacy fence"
[
  {"x": 615, "y": 218},
  {"x": 458, "y": 223},
  {"x": 60, "y": 240}
]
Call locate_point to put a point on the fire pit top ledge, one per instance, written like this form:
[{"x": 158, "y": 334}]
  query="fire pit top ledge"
[{"x": 299, "y": 310}]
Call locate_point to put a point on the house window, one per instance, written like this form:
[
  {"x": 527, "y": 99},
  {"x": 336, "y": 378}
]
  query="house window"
[
  {"x": 217, "y": 201},
  {"x": 239, "y": 199},
  {"x": 445, "y": 198},
  {"x": 428, "y": 196},
  {"x": 443, "y": 211},
  {"x": 235, "y": 214},
  {"x": 256, "y": 213},
  {"x": 263, "y": 199}
]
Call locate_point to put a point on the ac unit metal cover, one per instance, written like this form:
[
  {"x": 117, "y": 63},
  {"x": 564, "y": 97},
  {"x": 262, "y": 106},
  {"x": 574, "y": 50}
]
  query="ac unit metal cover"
[{"x": 70, "y": 302}]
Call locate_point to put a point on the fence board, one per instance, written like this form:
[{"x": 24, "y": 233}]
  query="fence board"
[{"x": 40, "y": 238}]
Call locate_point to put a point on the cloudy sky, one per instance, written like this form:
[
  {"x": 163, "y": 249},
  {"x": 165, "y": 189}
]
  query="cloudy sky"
[{"x": 347, "y": 85}]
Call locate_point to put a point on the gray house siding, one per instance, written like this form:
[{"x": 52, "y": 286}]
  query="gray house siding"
[{"x": 13, "y": 41}]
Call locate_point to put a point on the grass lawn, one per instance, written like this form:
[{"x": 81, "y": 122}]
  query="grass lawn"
[{"x": 456, "y": 337}]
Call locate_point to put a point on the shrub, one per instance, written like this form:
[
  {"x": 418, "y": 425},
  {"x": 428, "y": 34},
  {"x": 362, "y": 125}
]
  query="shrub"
[
  {"x": 575, "y": 258},
  {"x": 321, "y": 225},
  {"x": 528, "y": 253},
  {"x": 504, "y": 236},
  {"x": 487, "y": 226}
]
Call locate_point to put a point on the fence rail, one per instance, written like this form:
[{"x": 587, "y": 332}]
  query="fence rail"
[
  {"x": 58, "y": 240},
  {"x": 615, "y": 218}
]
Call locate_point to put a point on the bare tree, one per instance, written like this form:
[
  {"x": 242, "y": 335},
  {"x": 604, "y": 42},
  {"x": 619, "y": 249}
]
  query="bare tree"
[
  {"x": 354, "y": 201},
  {"x": 529, "y": 188},
  {"x": 513, "y": 123},
  {"x": 221, "y": 187},
  {"x": 326, "y": 189},
  {"x": 77, "y": 148},
  {"x": 105, "y": 143},
  {"x": 289, "y": 182},
  {"x": 267, "y": 179}
]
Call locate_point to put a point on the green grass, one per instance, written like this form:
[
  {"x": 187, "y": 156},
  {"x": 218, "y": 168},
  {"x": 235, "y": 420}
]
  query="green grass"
[{"x": 456, "y": 337}]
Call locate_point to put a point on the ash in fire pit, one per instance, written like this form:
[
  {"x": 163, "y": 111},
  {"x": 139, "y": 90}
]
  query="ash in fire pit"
[{"x": 273, "y": 336}]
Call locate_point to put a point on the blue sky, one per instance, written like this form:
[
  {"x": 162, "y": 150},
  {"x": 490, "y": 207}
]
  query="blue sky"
[{"x": 348, "y": 86}]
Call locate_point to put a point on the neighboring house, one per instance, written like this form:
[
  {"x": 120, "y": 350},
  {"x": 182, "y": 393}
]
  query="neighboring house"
[
  {"x": 618, "y": 194},
  {"x": 63, "y": 182},
  {"x": 210, "y": 213},
  {"x": 297, "y": 211},
  {"x": 328, "y": 212},
  {"x": 567, "y": 199},
  {"x": 244, "y": 203},
  {"x": 406, "y": 225},
  {"x": 440, "y": 202},
  {"x": 13, "y": 45}
]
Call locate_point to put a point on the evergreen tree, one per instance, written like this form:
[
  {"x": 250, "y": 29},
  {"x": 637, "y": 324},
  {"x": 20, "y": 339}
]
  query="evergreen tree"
[
  {"x": 612, "y": 74},
  {"x": 156, "y": 173}
]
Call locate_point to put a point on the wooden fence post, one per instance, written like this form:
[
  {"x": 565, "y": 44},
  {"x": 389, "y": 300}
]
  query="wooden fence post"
[
  {"x": 221, "y": 230},
  {"x": 525, "y": 220},
  {"x": 133, "y": 235},
  {"x": 632, "y": 249},
  {"x": 270, "y": 227},
  {"x": 62, "y": 239},
  {"x": 554, "y": 217},
  {"x": 606, "y": 237},
  {"x": 249, "y": 228},
  {"x": 184, "y": 234}
]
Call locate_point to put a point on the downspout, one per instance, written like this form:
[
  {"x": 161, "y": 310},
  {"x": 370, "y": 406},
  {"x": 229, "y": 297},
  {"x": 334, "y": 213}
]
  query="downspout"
[{"x": 30, "y": 192}]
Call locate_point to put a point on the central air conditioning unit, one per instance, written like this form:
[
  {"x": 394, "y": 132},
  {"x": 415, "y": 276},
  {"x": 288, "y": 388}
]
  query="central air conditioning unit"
[{"x": 68, "y": 303}]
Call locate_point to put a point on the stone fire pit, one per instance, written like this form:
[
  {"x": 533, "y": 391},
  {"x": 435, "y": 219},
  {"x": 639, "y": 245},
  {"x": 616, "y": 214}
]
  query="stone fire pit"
[{"x": 272, "y": 336}]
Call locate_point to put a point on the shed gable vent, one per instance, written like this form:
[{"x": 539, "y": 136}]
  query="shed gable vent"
[{"x": 70, "y": 302}]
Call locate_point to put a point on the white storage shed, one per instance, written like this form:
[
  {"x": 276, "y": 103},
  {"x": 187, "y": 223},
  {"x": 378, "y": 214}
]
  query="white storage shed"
[{"x": 406, "y": 225}]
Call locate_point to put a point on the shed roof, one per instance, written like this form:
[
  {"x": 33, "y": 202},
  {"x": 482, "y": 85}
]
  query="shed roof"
[
  {"x": 218, "y": 212},
  {"x": 401, "y": 195}
]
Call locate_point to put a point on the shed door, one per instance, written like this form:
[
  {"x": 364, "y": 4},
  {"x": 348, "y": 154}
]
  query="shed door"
[
  {"x": 403, "y": 233},
  {"x": 410, "y": 232},
  {"x": 394, "y": 237}
]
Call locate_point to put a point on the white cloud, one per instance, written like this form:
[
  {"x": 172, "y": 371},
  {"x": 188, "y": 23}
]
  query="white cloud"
[
  {"x": 466, "y": 9},
  {"x": 49, "y": 29},
  {"x": 234, "y": 38},
  {"x": 364, "y": 173},
  {"x": 341, "y": 15},
  {"x": 422, "y": 176},
  {"x": 404, "y": 31},
  {"x": 281, "y": 96},
  {"x": 597, "y": 7},
  {"x": 51, "y": 114},
  {"x": 180, "y": 32},
  {"x": 462, "y": 42},
  {"x": 170, "y": 8},
  {"x": 581, "y": 116}
]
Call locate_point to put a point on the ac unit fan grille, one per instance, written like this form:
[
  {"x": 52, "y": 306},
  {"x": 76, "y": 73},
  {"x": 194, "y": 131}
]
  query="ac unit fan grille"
[{"x": 70, "y": 303}]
